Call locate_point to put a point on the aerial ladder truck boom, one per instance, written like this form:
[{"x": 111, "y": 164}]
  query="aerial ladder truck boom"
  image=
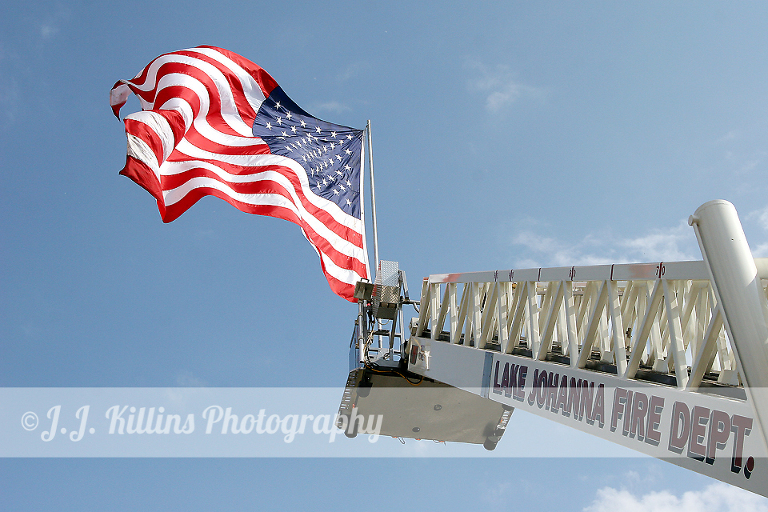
[{"x": 666, "y": 358}]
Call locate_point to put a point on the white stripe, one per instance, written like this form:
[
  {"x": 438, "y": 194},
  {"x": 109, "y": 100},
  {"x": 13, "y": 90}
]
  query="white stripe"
[{"x": 139, "y": 150}]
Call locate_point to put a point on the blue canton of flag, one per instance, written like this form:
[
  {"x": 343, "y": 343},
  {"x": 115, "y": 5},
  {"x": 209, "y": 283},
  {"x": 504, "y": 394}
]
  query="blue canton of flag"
[{"x": 329, "y": 153}]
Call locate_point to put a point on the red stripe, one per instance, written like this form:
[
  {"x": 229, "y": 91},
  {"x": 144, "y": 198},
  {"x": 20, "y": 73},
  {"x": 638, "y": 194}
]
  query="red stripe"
[
  {"x": 176, "y": 121},
  {"x": 343, "y": 290},
  {"x": 145, "y": 178},
  {"x": 201, "y": 141}
]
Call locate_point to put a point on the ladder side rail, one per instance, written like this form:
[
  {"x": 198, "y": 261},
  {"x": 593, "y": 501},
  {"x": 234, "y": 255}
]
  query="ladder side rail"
[
  {"x": 534, "y": 311},
  {"x": 740, "y": 295}
]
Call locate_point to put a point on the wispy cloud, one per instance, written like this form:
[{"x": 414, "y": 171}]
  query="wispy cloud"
[
  {"x": 334, "y": 107},
  {"x": 499, "y": 86},
  {"x": 761, "y": 217},
  {"x": 717, "y": 497},
  {"x": 353, "y": 70},
  {"x": 49, "y": 26},
  {"x": 731, "y": 135},
  {"x": 743, "y": 152},
  {"x": 48, "y": 30},
  {"x": 673, "y": 244}
]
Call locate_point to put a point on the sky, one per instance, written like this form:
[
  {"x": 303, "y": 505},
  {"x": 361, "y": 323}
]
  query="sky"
[{"x": 505, "y": 135}]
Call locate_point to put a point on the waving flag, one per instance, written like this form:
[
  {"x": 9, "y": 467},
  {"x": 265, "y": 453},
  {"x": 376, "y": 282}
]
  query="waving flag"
[{"x": 214, "y": 123}]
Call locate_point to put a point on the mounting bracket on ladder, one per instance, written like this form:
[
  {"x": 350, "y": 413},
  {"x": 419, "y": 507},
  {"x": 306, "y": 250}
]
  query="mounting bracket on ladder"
[{"x": 378, "y": 329}]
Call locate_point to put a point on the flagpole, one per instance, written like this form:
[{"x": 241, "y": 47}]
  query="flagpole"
[{"x": 373, "y": 198}]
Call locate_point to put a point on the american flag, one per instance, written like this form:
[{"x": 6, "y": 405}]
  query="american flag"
[{"x": 214, "y": 123}]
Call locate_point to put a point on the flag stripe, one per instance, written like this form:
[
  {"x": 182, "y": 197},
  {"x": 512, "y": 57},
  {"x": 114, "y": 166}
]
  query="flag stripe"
[
  {"x": 194, "y": 138},
  {"x": 276, "y": 206},
  {"x": 318, "y": 207},
  {"x": 345, "y": 238}
]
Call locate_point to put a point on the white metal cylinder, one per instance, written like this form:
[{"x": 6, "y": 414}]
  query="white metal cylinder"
[{"x": 738, "y": 290}]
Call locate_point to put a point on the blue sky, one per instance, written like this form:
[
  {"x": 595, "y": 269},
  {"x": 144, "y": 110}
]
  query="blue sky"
[{"x": 505, "y": 135}]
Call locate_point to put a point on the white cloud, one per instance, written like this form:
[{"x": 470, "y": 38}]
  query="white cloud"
[
  {"x": 731, "y": 135},
  {"x": 331, "y": 106},
  {"x": 761, "y": 251},
  {"x": 673, "y": 244},
  {"x": 717, "y": 497},
  {"x": 499, "y": 86},
  {"x": 750, "y": 165},
  {"x": 48, "y": 30},
  {"x": 50, "y": 25},
  {"x": 761, "y": 216},
  {"x": 354, "y": 70}
]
